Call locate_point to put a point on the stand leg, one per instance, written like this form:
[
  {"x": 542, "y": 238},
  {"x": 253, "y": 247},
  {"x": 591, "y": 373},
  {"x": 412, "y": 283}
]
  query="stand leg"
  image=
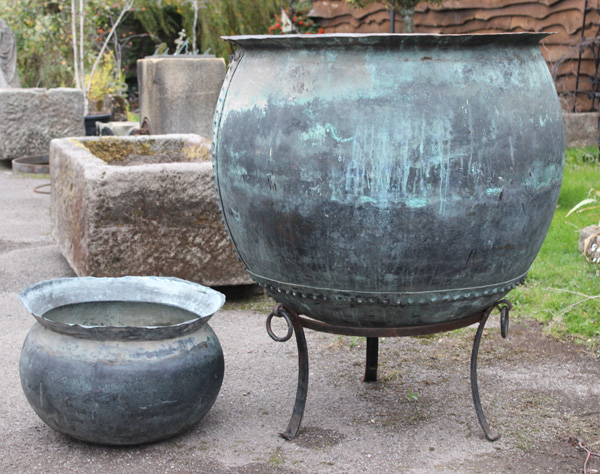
[
  {"x": 293, "y": 321},
  {"x": 504, "y": 307},
  {"x": 302, "y": 391},
  {"x": 372, "y": 359}
]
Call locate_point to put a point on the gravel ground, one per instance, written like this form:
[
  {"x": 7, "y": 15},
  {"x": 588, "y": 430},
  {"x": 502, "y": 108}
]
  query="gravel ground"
[{"x": 542, "y": 396}]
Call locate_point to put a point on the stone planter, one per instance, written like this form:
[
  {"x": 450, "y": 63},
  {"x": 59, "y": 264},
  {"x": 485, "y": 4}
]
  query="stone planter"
[
  {"x": 140, "y": 206},
  {"x": 179, "y": 94},
  {"x": 33, "y": 117}
]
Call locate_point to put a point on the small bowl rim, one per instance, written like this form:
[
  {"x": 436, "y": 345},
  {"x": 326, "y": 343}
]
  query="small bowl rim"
[{"x": 46, "y": 295}]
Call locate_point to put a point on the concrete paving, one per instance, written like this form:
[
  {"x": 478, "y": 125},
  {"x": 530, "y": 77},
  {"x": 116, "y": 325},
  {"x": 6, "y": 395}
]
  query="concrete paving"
[{"x": 540, "y": 394}]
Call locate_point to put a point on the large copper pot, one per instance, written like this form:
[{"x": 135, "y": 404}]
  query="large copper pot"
[{"x": 388, "y": 180}]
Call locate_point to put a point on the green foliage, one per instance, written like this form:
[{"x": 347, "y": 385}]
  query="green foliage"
[
  {"x": 44, "y": 38},
  {"x": 44, "y": 57},
  {"x": 592, "y": 203},
  {"x": 302, "y": 23},
  {"x": 132, "y": 117},
  {"x": 562, "y": 288},
  {"x": 104, "y": 81},
  {"x": 412, "y": 396},
  {"x": 234, "y": 17},
  {"x": 158, "y": 19},
  {"x": 216, "y": 18},
  {"x": 44, "y": 43}
]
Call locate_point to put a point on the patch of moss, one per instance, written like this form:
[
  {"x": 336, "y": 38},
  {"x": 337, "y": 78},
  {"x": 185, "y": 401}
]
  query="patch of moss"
[
  {"x": 277, "y": 458},
  {"x": 111, "y": 149},
  {"x": 197, "y": 152}
]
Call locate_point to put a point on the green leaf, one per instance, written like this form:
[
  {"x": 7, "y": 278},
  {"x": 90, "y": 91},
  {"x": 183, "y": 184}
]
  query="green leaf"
[{"x": 585, "y": 202}]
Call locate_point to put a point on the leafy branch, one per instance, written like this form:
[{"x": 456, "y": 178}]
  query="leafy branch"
[
  {"x": 78, "y": 16},
  {"x": 592, "y": 202}
]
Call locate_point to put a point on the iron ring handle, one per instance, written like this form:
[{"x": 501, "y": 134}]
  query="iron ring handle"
[
  {"x": 504, "y": 306},
  {"x": 280, "y": 313},
  {"x": 504, "y": 320}
]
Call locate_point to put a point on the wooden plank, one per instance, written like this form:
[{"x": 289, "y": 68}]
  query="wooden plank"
[
  {"x": 560, "y": 50},
  {"x": 569, "y": 67},
  {"x": 327, "y": 9},
  {"x": 569, "y": 8}
]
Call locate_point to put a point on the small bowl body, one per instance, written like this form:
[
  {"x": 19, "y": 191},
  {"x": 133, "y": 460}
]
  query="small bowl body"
[{"x": 89, "y": 371}]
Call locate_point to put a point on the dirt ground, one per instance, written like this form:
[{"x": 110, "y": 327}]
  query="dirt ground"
[{"x": 541, "y": 395}]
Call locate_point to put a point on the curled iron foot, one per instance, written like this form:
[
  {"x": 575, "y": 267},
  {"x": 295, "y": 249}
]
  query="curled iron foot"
[
  {"x": 504, "y": 306},
  {"x": 294, "y": 326}
]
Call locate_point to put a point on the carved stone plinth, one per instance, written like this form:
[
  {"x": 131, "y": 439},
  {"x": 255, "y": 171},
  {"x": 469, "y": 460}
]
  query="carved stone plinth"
[{"x": 178, "y": 94}]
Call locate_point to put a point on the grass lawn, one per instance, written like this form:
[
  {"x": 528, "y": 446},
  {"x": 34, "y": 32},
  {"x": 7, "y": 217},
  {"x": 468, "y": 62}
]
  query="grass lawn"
[{"x": 563, "y": 289}]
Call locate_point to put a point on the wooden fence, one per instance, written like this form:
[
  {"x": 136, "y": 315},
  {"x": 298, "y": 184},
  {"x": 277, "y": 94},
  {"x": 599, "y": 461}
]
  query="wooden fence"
[{"x": 562, "y": 17}]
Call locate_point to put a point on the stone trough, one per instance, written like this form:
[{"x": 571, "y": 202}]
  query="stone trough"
[{"x": 140, "y": 206}]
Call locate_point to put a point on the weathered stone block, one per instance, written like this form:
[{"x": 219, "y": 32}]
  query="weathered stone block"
[
  {"x": 30, "y": 118},
  {"x": 117, "y": 129},
  {"x": 140, "y": 206},
  {"x": 179, "y": 94},
  {"x": 581, "y": 129},
  {"x": 589, "y": 243}
]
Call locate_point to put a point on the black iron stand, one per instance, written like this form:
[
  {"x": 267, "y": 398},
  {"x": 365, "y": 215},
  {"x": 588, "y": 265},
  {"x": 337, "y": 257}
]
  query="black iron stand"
[{"x": 296, "y": 324}]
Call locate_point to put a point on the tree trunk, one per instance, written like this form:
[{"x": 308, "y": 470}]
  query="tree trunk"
[
  {"x": 81, "y": 56},
  {"x": 75, "y": 46},
  {"x": 408, "y": 25}
]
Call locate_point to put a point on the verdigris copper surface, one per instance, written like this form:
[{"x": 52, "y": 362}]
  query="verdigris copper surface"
[
  {"x": 388, "y": 180},
  {"x": 121, "y": 361}
]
